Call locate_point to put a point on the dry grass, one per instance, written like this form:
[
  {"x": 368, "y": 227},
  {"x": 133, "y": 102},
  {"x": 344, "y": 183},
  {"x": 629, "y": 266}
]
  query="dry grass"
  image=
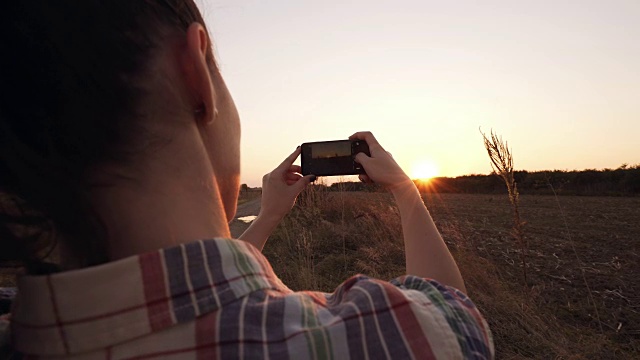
[
  {"x": 502, "y": 164},
  {"x": 330, "y": 236}
]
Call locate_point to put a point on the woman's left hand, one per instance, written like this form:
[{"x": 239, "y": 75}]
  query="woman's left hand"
[
  {"x": 281, "y": 187},
  {"x": 279, "y": 191}
]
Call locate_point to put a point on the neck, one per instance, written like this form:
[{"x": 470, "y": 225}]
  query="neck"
[{"x": 175, "y": 199}]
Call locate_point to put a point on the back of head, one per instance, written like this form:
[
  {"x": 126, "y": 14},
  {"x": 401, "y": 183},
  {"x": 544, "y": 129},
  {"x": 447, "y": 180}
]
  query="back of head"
[{"x": 74, "y": 88}]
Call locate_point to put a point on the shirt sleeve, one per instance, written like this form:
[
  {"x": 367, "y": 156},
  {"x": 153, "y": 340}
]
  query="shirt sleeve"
[
  {"x": 410, "y": 317},
  {"x": 462, "y": 316}
]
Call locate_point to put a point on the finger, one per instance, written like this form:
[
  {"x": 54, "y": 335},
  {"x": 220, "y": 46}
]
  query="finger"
[
  {"x": 288, "y": 162},
  {"x": 366, "y": 136},
  {"x": 363, "y": 159},
  {"x": 304, "y": 181},
  {"x": 295, "y": 168},
  {"x": 292, "y": 178},
  {"x": 365, "y": 179}
]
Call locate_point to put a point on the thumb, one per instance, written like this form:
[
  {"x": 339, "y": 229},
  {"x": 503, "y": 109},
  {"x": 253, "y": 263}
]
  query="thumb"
[
  {"x": 302, "y": 183},
  {"x": 362, "y": 159}
]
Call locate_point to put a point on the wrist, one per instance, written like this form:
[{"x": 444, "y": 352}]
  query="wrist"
[
  {"x": 403, "y": 189},
  {"x": 268, "y": 219}
]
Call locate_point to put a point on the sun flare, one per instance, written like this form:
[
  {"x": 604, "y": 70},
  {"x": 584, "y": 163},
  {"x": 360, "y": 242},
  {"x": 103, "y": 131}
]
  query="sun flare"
[{"x": 424, "y": 170}]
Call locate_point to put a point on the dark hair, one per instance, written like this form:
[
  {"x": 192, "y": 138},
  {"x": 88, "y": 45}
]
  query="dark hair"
[{"x": 71, "y": 85}]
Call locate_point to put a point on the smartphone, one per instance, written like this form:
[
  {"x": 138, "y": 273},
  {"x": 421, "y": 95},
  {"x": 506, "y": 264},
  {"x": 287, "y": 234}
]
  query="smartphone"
[{"x": 331, "y": 158}]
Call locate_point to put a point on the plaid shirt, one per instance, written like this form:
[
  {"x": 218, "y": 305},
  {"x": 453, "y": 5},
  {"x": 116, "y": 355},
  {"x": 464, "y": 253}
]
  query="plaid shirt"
[{"x": 220, "y": 299}]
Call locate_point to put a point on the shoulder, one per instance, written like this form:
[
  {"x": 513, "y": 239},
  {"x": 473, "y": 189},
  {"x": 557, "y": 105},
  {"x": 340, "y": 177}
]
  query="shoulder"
[
  {"x": 363, "y": 318},
  {"x": 425, "y": 316}
]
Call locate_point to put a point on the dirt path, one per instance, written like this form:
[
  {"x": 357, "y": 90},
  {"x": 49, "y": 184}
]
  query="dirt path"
[{"x": 251, "y": 207}]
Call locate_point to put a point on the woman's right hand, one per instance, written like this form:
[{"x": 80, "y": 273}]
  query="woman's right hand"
[{"x": 380, "y": 167}]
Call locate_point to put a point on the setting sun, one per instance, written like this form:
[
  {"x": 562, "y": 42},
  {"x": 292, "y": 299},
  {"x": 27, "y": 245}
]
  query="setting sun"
[{"x": 424, "y": 170}]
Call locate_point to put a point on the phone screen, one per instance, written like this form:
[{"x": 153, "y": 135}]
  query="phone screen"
[
  {"x": 330, "y": 158},
  {"x": 331, "y": 149}
]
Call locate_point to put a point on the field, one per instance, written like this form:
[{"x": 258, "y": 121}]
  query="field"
[{"x": 582, "y": 299}]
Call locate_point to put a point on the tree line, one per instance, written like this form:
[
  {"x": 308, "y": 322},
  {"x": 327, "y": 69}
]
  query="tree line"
[{"x": 623, "y": 181}]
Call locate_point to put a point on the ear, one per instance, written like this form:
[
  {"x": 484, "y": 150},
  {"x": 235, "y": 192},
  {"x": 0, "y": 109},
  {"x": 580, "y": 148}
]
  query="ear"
[{"x": 198, "y": 77}]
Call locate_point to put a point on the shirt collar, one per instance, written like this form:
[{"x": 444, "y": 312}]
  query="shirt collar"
[{"x": 96, "y": 307}]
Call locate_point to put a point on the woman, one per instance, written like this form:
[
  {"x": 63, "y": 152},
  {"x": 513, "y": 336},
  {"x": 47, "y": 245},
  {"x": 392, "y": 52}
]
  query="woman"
[{"x": 119, "y": 143}]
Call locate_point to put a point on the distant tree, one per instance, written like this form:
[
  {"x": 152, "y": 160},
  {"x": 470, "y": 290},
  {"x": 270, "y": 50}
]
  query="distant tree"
[{"x": 244, "y": 187}]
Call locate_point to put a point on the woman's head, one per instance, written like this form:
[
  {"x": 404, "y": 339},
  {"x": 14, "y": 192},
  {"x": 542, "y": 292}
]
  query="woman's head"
[{"x": 90, "y": 94}]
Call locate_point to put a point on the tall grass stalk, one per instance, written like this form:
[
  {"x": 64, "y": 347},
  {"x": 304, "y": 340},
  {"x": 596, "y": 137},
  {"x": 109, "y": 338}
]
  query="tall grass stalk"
[{"x": 502, "y": 164}]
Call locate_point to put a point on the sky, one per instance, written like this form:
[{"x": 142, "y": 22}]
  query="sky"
[{"x": 559, "y": 80}]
